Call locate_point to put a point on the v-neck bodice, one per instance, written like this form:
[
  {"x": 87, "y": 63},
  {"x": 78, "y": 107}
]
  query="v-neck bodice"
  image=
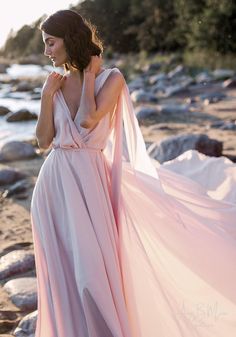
[
  {"x": 63, "y": 98},
  {"x": 69, "y": 133}
]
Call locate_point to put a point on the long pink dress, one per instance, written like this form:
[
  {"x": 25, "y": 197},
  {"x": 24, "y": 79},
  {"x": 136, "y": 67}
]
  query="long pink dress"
[{"x": 125, "y": 247}]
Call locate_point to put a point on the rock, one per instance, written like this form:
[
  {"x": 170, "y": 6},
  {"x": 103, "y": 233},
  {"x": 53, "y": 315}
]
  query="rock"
[
  {"x": 173, "y": 108},
  {"x": 203, "y": 77},
  {"x": 16, "y": 150},
  {"x": 173, "y": 146},
  {"x": 224, "y": 125},
  {"x": 222, "y": 74},
  {"x": 22, "y": 86},
  {"x": 4, "y": 110},
  {"x": 23, "y": 292},
  {"x": 158, "y": 88},
  {"x": 3, "y": 68},
  {"x": 191, "y": 100},
  {"x": 9, "y": 176},
  {"x": 217, "y": 124},
  {"x": 161, "y": 126},
  {"x": 153, "y": 67},
  {"x": 143, "y": 112},
  {"x": 179, "y": 70},
  {"x": 27, "y": 325},
  {"x": 136, "y": 84},
  {"x": 143, "y": 96},
  {"x": 230, "y": 83},
  {"x": 213, "y": 97},
  {"x": 15, "y": 246},
  {"x": 229, "y": 126},
  {"x": 21, "y": 115},
  {"x": 16, "y": 262},
  {"x": 156, "y": 78},
  {"x": 178, "y": 87},
  {"x": 35, "y": 96},
  {"x": 16, "y": 95},
  {"x": 19, "y": 188}
]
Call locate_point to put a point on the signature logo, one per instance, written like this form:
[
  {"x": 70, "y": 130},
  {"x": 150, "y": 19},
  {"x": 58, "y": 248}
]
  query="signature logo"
[{"x": 202, "y": 314}]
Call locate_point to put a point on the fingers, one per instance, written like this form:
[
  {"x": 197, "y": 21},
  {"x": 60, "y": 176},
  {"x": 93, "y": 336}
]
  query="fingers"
[{"x": 54, "y": 76}]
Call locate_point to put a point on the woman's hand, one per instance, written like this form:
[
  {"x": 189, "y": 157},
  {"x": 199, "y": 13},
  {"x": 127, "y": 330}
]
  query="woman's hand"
[
  {"x": 53, "y": 82},
  {"x": 94, "y": 65}
]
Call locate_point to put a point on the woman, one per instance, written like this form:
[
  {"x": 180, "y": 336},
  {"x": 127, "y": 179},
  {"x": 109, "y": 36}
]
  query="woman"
[{"x": 122, "y": 248}]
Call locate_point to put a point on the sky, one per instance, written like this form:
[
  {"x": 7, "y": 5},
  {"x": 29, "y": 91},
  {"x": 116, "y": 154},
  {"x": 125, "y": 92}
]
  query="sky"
[{"x": 16, "y": 13}]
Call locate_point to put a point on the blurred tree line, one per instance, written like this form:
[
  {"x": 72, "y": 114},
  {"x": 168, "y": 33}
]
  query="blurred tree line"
[{"x": 150, "y": 25}]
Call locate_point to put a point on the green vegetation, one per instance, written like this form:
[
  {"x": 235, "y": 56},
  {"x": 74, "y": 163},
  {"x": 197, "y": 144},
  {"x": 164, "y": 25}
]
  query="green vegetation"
[{"x": 203, "y": 31}]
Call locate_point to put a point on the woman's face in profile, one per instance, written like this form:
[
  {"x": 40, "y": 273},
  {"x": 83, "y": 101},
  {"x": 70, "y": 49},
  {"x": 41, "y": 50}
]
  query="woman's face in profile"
[{"x": 55, "y": 49}]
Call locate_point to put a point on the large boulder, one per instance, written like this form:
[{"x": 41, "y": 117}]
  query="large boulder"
[
  {"x": 173, "y": 146},
  {"x": 21, "y": 115},
  {"x": 17, "y": 150},
  {"x": 10, "y": 176}
]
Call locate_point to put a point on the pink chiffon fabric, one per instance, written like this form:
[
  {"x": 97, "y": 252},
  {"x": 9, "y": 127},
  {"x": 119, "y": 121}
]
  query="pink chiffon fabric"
[{"x": 126, "y": 247}]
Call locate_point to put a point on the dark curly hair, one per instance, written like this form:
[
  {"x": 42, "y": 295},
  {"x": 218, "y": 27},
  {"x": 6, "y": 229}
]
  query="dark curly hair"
[{"x": 79, "y": 35}]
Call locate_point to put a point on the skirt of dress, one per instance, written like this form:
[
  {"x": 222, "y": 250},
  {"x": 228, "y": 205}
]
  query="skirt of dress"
[{"x": 167, "y": 270}]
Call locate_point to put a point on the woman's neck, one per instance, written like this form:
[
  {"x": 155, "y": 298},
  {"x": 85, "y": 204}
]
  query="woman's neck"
[{"x": 74, "y": 72}]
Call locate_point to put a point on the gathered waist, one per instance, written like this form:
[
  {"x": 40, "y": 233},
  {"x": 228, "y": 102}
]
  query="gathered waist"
[{"x": 71, "y": 148}]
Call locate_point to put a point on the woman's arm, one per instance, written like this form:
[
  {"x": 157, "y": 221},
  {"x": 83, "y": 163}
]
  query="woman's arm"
[
  {"x": 93, "y": 109},
  {"x": 45, "y": 130},
  {"x": 45, "y": 126}
]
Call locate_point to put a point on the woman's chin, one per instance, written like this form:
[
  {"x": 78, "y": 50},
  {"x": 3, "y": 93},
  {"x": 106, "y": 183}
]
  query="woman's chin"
[{"x": 57, "y": 64}]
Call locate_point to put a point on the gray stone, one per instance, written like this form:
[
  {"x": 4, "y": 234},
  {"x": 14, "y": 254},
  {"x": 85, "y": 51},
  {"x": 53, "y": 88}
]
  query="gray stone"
[
  {"x": 9, "y": 176},
  {"x": 19, "y": 188},
  {"x": 213, "y": 97},
  {"x": 203, "y": 77},
  {"x": 35, "y": 96},
  {"x": 217, "y": 124},
  {"x": 143, "y": 96},
  {"x": 229, "y": 126},
  {"x": 173, "y": 146},
  {"x": 23, "y": 292},
  {"x": 179, "y": 70},
  {"x": 230, "y": 83},
  {"x": 143, "y": 112},
  {"x": 222, "y": 74},
  {"x": 156, "y": 78},
  {"x": 136, "y": 84},
  {"x": 178, "y": 87},
  {"x": 17, "y": 150},
  {"x": 159, "y": 88},
  {"x": 16, "y": 262},
  {"x": 21, "y": 115},
  {"x": 27, "y": 326},
  {"x": 173, "y": 108}
]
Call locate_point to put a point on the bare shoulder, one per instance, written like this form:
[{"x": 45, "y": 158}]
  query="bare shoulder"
[{"x": 115, "y": 79}]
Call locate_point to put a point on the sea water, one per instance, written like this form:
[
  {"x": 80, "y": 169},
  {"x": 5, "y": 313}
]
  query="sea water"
[{"x": 15, "y": 101}]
